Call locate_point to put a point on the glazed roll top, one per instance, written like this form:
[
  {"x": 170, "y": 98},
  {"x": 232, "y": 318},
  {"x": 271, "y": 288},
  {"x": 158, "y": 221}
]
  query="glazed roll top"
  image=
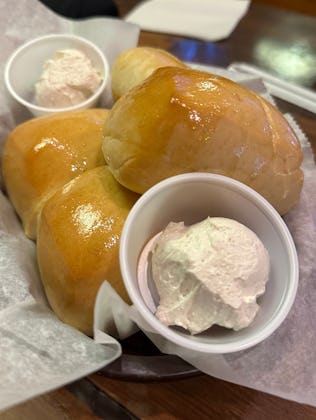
[
  {"x": 133, "y": 66},
  {"x": 182, "y": 120},
  {"x": 44, "y": 153},
  {"x": 78, "y": 244}
]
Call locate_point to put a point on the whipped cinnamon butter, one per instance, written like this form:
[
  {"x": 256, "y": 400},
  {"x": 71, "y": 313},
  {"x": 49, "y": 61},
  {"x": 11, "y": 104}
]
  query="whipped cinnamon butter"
[
  {"x": 67, "y": 79},
  {"x": 209, "y": 273}
]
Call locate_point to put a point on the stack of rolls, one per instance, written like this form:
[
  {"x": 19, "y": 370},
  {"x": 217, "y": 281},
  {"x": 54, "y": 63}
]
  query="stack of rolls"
[
  {"x": 74, "y": 176},
  {"x": 43, "y": 154},
  {"x": 69, "y": 202}
]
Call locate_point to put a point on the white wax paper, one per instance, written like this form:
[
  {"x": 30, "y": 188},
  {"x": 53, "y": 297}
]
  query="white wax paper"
[
  {"x": 285, "y": 363},
  {"x": 38, "y": 352}
]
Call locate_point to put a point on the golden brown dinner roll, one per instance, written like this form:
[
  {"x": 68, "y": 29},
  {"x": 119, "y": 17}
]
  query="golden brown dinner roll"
[
  {"x": 44, "y": 153},
  {"x": 134, "y": 65},
  {"x": 78, "y": 244},
  {"x": 183, "y": 120}
]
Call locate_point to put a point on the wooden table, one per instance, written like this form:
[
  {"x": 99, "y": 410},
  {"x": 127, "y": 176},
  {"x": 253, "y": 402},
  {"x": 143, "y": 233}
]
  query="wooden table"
[{"x": 283, "y": 43}]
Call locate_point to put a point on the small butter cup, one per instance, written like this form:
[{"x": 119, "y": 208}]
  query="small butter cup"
[
  {"x": 24, "y": 67},
  {"x": 191, "y": 198}
]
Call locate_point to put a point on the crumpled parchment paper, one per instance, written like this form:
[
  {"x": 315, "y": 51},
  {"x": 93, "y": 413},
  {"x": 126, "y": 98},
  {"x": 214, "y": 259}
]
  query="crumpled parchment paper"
[
  {"x": 38, "y": 352},
  {"x": 284, "y": 364}
]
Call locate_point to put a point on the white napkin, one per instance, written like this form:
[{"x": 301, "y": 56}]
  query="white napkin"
[{"x": 209, "y": 20}]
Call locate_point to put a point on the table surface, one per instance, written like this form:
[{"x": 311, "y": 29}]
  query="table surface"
[{"x": 283, "y": 43}]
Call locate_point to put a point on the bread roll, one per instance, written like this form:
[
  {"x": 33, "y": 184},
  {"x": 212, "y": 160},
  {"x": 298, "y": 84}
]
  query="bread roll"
[
  {"x": 183, "y": 120},
  {"x": 78, "y": 244},
  {"x": 134, "y": 65},
  {"x": 44, "y": 153}
]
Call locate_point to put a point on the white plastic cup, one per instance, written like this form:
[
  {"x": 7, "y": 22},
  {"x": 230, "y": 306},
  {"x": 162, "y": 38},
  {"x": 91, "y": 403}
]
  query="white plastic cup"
[
  {"x": 24, "y": 68},
  {"x": 191, "y": 198}
]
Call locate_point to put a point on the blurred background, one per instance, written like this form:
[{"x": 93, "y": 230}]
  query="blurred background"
[
  {"x": 87, "y": 8},
  {"x": 301, "y": 6}
]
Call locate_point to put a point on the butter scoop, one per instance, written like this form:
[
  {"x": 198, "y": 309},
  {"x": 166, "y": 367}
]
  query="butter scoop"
[
  {"x": 208, "y": 273},
  {"x": 68, "y": 78}
]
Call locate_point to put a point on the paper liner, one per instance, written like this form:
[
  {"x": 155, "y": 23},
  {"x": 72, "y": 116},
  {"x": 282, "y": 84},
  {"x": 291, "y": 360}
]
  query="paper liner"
[
  {"x": 39, "y": 353},
  {"x": 284, "y": 364}
]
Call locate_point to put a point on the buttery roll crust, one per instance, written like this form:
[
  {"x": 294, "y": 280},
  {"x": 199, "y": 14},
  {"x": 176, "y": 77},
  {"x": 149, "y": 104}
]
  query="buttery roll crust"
[
  {"x": 78, "y": 244},
  {"x": 133, "y": 66},
  {"x": 183, "y": 120},
  {"x": 44, "y": 153}
]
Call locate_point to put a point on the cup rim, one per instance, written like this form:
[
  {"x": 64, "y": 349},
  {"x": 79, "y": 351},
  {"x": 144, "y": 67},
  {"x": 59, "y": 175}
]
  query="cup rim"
[
  {"x": 42, "y": 109},
  {"x": 278, "y": 223}
]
